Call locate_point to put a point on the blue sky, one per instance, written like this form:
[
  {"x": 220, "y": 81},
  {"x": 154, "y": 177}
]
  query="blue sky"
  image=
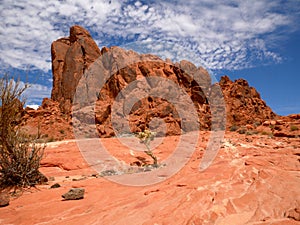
[{"x": 253, "y": 39}]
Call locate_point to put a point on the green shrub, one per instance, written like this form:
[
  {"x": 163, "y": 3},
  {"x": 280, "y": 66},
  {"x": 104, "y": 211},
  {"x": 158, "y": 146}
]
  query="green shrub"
[
  {"x": 294, "y": 128},
  {"x": 251, "y": 132},
  {"x": 242, "y": 131},
  {"x": 20, "y": 155},
  {"x": 272, "y": 126},
  {"x": 256, "y": 124},
  {"x": 234, "y": 128}
]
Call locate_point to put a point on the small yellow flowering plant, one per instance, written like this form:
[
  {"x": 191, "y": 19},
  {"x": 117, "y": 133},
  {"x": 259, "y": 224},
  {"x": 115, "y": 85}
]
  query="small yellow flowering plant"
[{"x": 146, "y": 137}]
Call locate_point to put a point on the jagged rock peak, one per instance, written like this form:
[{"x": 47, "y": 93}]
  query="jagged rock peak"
[
  {"x": 71, "y": 57},
  {"x": 78, "y": 32}
]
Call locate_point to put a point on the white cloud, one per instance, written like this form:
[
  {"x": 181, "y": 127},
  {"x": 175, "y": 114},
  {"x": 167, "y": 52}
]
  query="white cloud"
[
  {"x": 33, "y": 106},
  {"x": 230, "y": 34},
  {"x": 29, "y": 28}
]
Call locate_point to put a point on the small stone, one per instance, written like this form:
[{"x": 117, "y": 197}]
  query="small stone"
[
  {"x": 4, "y": 200},
  {"x": 56, "y": 185},
  {"x": 74, "y": 194}
]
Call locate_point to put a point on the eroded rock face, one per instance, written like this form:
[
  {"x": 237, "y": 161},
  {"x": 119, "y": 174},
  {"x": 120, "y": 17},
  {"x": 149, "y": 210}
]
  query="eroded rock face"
[
  {"x": 71, "y": 56},
  {"x": 100, "y": 78},
  {"x": 47, "y": 123},
  {"x": 152, "y": 88},
  {"x": 160, "y": 96},
  {"x": 244, "y": 104}
]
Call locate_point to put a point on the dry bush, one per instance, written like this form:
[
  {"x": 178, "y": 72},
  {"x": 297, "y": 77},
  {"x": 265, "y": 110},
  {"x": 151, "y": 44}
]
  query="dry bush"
[{"x": 20, "y": 156}]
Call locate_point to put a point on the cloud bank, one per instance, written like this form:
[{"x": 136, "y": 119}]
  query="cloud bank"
[{"x": 229, "y": 34}]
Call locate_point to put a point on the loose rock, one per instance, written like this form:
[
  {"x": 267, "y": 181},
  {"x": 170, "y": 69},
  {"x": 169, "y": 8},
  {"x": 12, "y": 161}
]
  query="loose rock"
[
  {"x": 4, "y": 200},
  {"x": 56, "y": 185},
  {"x": 74, "y": 194}
]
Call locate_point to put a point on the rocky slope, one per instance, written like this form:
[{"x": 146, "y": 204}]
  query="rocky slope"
[
  {"x": 47, "y": 123},
  {"x": 244, "y": 104}
]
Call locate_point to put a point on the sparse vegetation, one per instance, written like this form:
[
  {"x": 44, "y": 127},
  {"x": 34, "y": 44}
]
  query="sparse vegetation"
[
  {"x": 272, "y": 127},
  {"x": 293, "y": 128},
  {"x": 265, "y": 133},
  {"x": 234, "y": 128},
  {"x": 251, "y": 132},
  {"x": 20, "y": 155},
  {"x": 146, "y": 137},
  {"x": 256, "y": 124},
  {"x": 242, "y": 130}
]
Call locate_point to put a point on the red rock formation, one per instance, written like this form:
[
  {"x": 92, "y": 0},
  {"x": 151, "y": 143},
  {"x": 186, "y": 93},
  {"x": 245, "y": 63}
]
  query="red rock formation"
[
  {"x": 283, "y": 126},
  {"x": 47, "y": 123},
  {"x": 244, "y": 104},
  {"x": 100, "y": 76},
  {"x": 71, "y": 56},
  {"x": 156, "y": 105}
]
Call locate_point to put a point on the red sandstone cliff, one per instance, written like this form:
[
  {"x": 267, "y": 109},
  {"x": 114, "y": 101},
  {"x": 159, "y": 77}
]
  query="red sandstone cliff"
[{"x": 78, "y": 64}]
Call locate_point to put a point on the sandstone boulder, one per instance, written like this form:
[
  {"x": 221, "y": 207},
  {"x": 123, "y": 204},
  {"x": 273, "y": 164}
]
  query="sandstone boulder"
[
  {"x": 74, "y": 194},
  {"x": 4, "y": 199}
]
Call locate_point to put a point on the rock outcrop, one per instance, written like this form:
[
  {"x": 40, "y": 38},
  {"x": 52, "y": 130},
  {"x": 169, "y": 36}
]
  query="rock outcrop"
[
  {"x": 244, "y": 104},
  {"x": 71, "y": 56},
  {"x": 91, "y": 85},
  {"x": 283, "y": 126},
  {"x": 149, "y": 88},
  {"x": 47, "y": 123}
]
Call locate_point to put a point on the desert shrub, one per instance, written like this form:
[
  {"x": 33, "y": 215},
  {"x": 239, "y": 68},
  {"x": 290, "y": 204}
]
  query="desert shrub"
[
  {"x": 20, "y": 155},
  {"x": 256, "y": 124},
  {"x": 265, "y": 133},
  {"x": 251, "y": 132},
  {"x": 146, "y": 137},
  {"x": 242, "y": 130},
  {"x": 294, "y": 128},
  {"x": 233, "y": 128},
  {"x": 272, "y": 126}
]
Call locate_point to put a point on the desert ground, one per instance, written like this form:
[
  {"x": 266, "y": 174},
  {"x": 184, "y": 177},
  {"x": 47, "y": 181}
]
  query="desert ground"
[{"x": 254, "y": 179}]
